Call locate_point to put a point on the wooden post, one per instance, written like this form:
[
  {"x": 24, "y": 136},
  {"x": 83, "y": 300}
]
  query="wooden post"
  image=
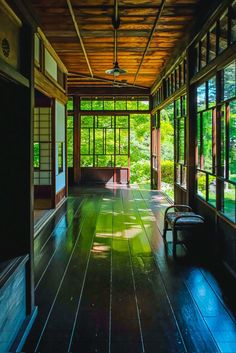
[
  {"x": 76, "y": 149},
  {"x": 191, "y": 141}
]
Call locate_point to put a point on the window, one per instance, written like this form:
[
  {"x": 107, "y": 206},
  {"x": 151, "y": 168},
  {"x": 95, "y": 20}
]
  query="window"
[
  {"x": 42, "y": 146},
  {"x": 212, "y": 44},
  {"x": 104, "y": 141},
  {"x": 70, "y": 140},
  {"x": 206, "y": 134},
  {"x": 180, "y": 126},
  {"x": 223, "y": 32},
  {"x": 167, "y": 128},
  {"x": 70, "y": 103},
  {"x": 114, "y": 103},
  {"x": 203, "y": 47},
  {"x": 229, "y": 81},
  {"x": 37, "y": 49},
  {"x": 60, "y": 154},
  {"x": 201, "y": 97},
  {"x": 228, "y": 144},
  {"x": 233, "y": 22},
  {"x": 50, "y": 64},
  {"x": 232, "y": 140}
]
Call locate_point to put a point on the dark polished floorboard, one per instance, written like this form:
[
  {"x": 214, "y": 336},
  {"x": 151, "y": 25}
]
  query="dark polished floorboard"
[{"x": 106, "y": 283}]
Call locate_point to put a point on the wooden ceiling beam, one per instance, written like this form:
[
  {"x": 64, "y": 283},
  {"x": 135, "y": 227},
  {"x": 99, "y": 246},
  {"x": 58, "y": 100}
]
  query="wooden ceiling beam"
[
  {"x": 150, "y": 38},
  {"x": 79, "y": 36}
]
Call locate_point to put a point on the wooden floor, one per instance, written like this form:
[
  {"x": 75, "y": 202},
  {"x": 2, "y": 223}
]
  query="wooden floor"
[{"x": 106, "y": 283}]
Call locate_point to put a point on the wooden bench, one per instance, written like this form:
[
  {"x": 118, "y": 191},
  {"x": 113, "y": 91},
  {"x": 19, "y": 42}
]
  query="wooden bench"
[{"x": 181, "y": 218}]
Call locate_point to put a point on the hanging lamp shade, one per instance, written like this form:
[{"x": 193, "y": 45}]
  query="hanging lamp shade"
[{"x": 116, "y": 71}]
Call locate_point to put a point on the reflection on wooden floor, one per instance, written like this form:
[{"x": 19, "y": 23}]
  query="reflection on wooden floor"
[{"x": 105, "y": 282}]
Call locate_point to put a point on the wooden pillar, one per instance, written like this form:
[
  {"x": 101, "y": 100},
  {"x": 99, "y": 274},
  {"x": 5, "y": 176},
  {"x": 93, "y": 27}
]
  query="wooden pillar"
[
  {"x": 53, "y": 155},
  {"x": 76, "y": 157},
  {"x": 158, "y": 137},
  {"x": 191, "y": 125}
]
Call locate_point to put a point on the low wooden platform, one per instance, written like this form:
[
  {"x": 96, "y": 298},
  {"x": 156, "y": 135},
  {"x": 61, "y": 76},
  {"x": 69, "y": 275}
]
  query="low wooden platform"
[{"x": 106, "y": 283}]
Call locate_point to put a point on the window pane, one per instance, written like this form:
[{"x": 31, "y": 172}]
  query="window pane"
[
  {"x": 70, "y": 103},
  {"x": 184, "y": 105},
  {"x": 229, "y": 201},
  {"x": 201, "y": 97},
  {"x": 203, "y": 47},
  {"x": 86, "y": 161},
  {"x": 86, "y": 141},
  {"x": 59, "y": 157},
  {"x": 105, "y": 161},
  {"x": 122, "y": 161},
  {"x": 229, "y": 81},
  {"x": 233, "y": 22},
  {"x": 201, "y": 184},
  {"x": 99, "y": 141},
  {"x": 199, "y": 140},
  {"x": 212, "y": 43},
  {"x": 110, "y": 141},
  {"x": 122, "y": 141},
  {"x": 109, "y": 104},
  {"x": 181, "y": 140},
  {"x": 120, "y": 105},
  {"x": 36, "y": 155},
  {"x": 223, "y": 32},
  {"x": 184, "y": 177},
  {"x": 178, "y": 171},
  {"x": 232, "y": 141},
  {"x": 212, "y": 92},
  {"x": 87, "y": 121},
  {"x": 85, "y": 104},
  {"x": 69, "y": 160},
  {"x": 223, "y": 141},
  {"x": 122, "y": 121},
  {"x": 70, "y": 121},
  {"x": 97, "y": 104},
  {"x": 36, "y": 48},
  {"x": 104, "y": 121},
  {"x": 178, "y": 107},
  {"x": 70, "y": 139},
  {"x": 207, "y": 140},
  {"x": 132, "y": 105},
  {"x": 197, "y": 58},
  {"x": 144, "y": 104},
  {"x": 212, "y": 190}
]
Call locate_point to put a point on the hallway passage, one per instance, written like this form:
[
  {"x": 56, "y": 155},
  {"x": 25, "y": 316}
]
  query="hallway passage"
[{"x": 106, "y": 283}]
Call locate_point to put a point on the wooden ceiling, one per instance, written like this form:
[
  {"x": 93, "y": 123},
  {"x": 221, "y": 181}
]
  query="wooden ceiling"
[{"x": 148, "y": 34}]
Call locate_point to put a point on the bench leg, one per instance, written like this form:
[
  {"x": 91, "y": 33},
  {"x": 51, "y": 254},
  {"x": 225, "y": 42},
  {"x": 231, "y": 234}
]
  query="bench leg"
[
  {"x": 165, "y": 230},
  {"x": 174, "y": 232}
]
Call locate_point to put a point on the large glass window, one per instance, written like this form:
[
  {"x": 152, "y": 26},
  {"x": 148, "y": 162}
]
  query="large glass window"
[
  {"x": 167, "y": 150},
  {"x": 227, "y": 178},
  {"x": 114, "y": 103},
  {"x": 206, "y": 134},
  {"x": 104, "y": 141},
  {"x": 180, "y": 126}
]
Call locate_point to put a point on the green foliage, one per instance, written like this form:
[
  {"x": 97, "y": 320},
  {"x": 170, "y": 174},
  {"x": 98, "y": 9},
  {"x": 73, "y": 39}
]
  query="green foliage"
[
  {"x": 36, "y": 155},
  {"x": 167, "y": 171},
  {"x": 167, "y": 133},
  {"x": 140, "y": 148}
]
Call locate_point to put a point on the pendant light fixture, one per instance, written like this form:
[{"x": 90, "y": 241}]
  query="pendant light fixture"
[{"x": 116, "y": 70}]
